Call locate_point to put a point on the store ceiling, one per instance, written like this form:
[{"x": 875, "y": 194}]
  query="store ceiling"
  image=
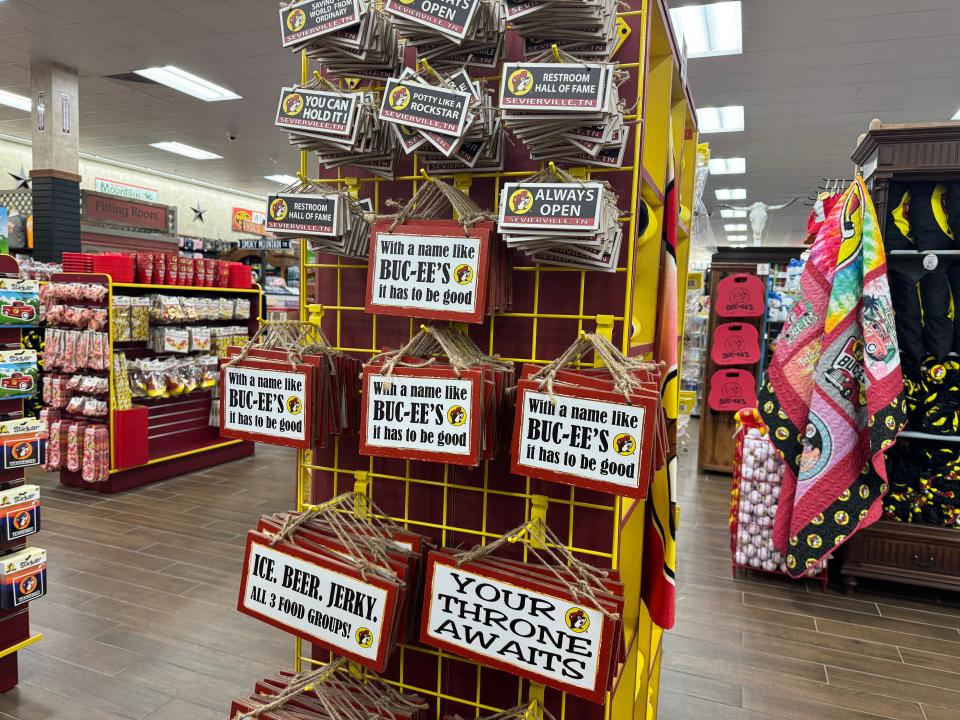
[{"x": 811, "y": 77}]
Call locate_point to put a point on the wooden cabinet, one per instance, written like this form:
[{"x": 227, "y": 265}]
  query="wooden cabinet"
[{"x": 903, "y": 552}]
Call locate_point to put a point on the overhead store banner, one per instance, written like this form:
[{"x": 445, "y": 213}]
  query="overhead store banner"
[
  {"x": 109, "y": 210},
  {"x": 126, "y": 190},
  {"x": 249, "y": 220},
  {"x": 261, "y": 402}
]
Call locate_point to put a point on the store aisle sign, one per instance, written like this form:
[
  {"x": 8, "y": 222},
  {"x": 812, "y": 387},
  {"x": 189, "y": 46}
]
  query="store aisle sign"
[
  {"x": 584, "y": 437},
  {"x": 519, "y": 623},
  {"x": 302, "y": 21},
  {"x": 422, "y": 414},
  {"x": 305, "y": 214},
  {"x": 110, "y": 210},
  {"x": 428, "y": 272},
  {"x": 325, "y": 603},
  {"x": 126, "y": 190},
  {"x": 264, "y": 402}
]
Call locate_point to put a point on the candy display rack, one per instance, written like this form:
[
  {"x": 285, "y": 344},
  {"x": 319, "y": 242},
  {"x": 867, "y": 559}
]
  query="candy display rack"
[
  {"x": 15, "y": 623},
  {"x": 179, "y": 438},
  {"x": 464, "y": 506}
]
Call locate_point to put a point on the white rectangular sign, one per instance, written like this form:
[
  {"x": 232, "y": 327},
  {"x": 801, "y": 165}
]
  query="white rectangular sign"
[
  {"x": 515, "y": 627},
  {"x": 265, "y": 402},
  {"x": 426, "y": 272},
  {"x": 314, "y": 600},
  {"x": 419, "y": 413},
  {"x": 125, "y": 190},
  {"x": 594, "y": 440}
]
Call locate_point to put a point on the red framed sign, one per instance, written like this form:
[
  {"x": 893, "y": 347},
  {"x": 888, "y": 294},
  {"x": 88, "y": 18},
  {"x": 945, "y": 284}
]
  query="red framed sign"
[
  {"x": 429, "y": 270},
  {"x": 589, "y": 437},
  {"x": 324, "y": 602},
  {"x": 267, "y": 402},
  {"x": 422, "y": 414},
  {"x": 552, "y": 638}
]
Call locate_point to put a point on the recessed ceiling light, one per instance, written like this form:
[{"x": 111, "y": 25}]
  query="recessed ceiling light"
[
  {"x": 709, "y": 30},
  {"x": 737, "y": 238},
  {"x": 720, "y": 119},
  {"x": 731, "y": 193},
  {"x": 283, "y": 179},
  {"x": 735, "y": 227},
  {"x": 186, "y": 150},
  {"x": 728, "y": 214},
  {"x": 15, "y": 101},
  {"x": 187, "y": 83},
  {"x": 728, "y": 166}
]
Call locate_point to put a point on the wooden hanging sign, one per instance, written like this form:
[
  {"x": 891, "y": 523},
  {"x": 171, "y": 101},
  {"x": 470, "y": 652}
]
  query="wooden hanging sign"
[
  {"x": 324, "y": 602},
  {"x": 429, "y": 271},
  {"x": 424, "y": 413},
  {"x": 308, "y": 19},
  {"x": 519, "y": 623},
  {"x": 585, "y": 436},
  {"x": 269, "y": 402}
]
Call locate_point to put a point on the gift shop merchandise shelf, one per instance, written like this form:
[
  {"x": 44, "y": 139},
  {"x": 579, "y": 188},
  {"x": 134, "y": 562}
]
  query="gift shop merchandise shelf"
[
  {"x": 726, "y": 385},
  {"x": 16, "y": 530},
  {"x": 459, "y": 506},
  {"x": 149, "y": 377},
  {"x": 921, "y": 159}
]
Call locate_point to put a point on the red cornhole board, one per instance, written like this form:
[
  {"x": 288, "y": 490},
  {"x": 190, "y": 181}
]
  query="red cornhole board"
[
  {"x": 732, "y": 390},
  {"x": 740, "y": 295},
  {"x": 735, "y": 344}
]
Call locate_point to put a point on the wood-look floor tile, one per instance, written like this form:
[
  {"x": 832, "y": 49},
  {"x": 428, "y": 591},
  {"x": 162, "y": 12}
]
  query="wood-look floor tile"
[
  {"x": 893, "y": 637},
  {"x": 181, "y": 710},
  {"x": 895, "y": 688},
  {"x": 743, "y": 658},
  {"x": 700, "y": 687}
]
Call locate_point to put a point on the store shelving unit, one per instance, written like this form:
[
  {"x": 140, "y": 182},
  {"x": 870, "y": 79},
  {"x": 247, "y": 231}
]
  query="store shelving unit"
[
  {"x": 14, "y": 624},
  {"x": 913, "y": 553},
  {"x": 462, "y": 506},
  {"x": 179, "y": 436}
]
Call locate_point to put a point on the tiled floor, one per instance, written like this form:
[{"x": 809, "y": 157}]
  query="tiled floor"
[
  {"x": 760, "y": 647},
  {"x": 141, "y": 623}
]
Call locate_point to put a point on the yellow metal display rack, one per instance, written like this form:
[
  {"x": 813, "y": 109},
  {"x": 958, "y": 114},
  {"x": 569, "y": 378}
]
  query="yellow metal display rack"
[{"x": 462, "y": 507}]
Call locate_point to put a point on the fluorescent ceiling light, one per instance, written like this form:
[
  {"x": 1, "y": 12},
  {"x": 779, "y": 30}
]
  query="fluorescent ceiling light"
[
  {"x": 709, "y": 30},
  {"x": 728, "y": 166},
  {"x": 737, "y": 238},
  {"x": 957, "y": 116},
  {"x": 735, "y": 227},
  {"x": 731, "y": 194},
  {"x": 187, "y": 83},
  {"x": 728, "y": 214},
  {"x": 282, "y": 179},
  {"x": 15, "y": 101},
  {"x": 186, "y": 150},
  {"x": 720, "y": 119}
]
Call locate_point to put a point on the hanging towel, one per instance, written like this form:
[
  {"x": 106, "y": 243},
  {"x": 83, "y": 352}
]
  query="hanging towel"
[
  {"x": 658, "y": 581},
  {"x": 833, "y": 397}
]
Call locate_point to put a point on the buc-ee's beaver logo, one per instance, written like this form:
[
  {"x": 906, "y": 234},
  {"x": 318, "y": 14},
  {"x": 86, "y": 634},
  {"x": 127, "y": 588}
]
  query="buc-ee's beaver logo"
[
  {"x": 624, "y": 444},
  {"x": 294, "y": 405},
  {"x": 296, "y": 20},
  {"x": 456, "y": 416},
  {"x": 521, "y": 201},
  {"x": 400, "y": 97},
  {"x": 28, "y": 585},
  {"x": 293, "y": 104},
  {"x": 364, "y": 637},
  {"x": 22, "y": 451},
  {"x": 22, "y": 520},
  {"x": 520, "y": 82},
  {"x": 463, "y": 274},
  {"x": 578, "y": 620},
  {"x": 279, "y": 209}
]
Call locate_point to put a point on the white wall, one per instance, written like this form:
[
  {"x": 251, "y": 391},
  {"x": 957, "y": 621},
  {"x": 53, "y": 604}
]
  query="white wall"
[{"x": 180, "y": 193}]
